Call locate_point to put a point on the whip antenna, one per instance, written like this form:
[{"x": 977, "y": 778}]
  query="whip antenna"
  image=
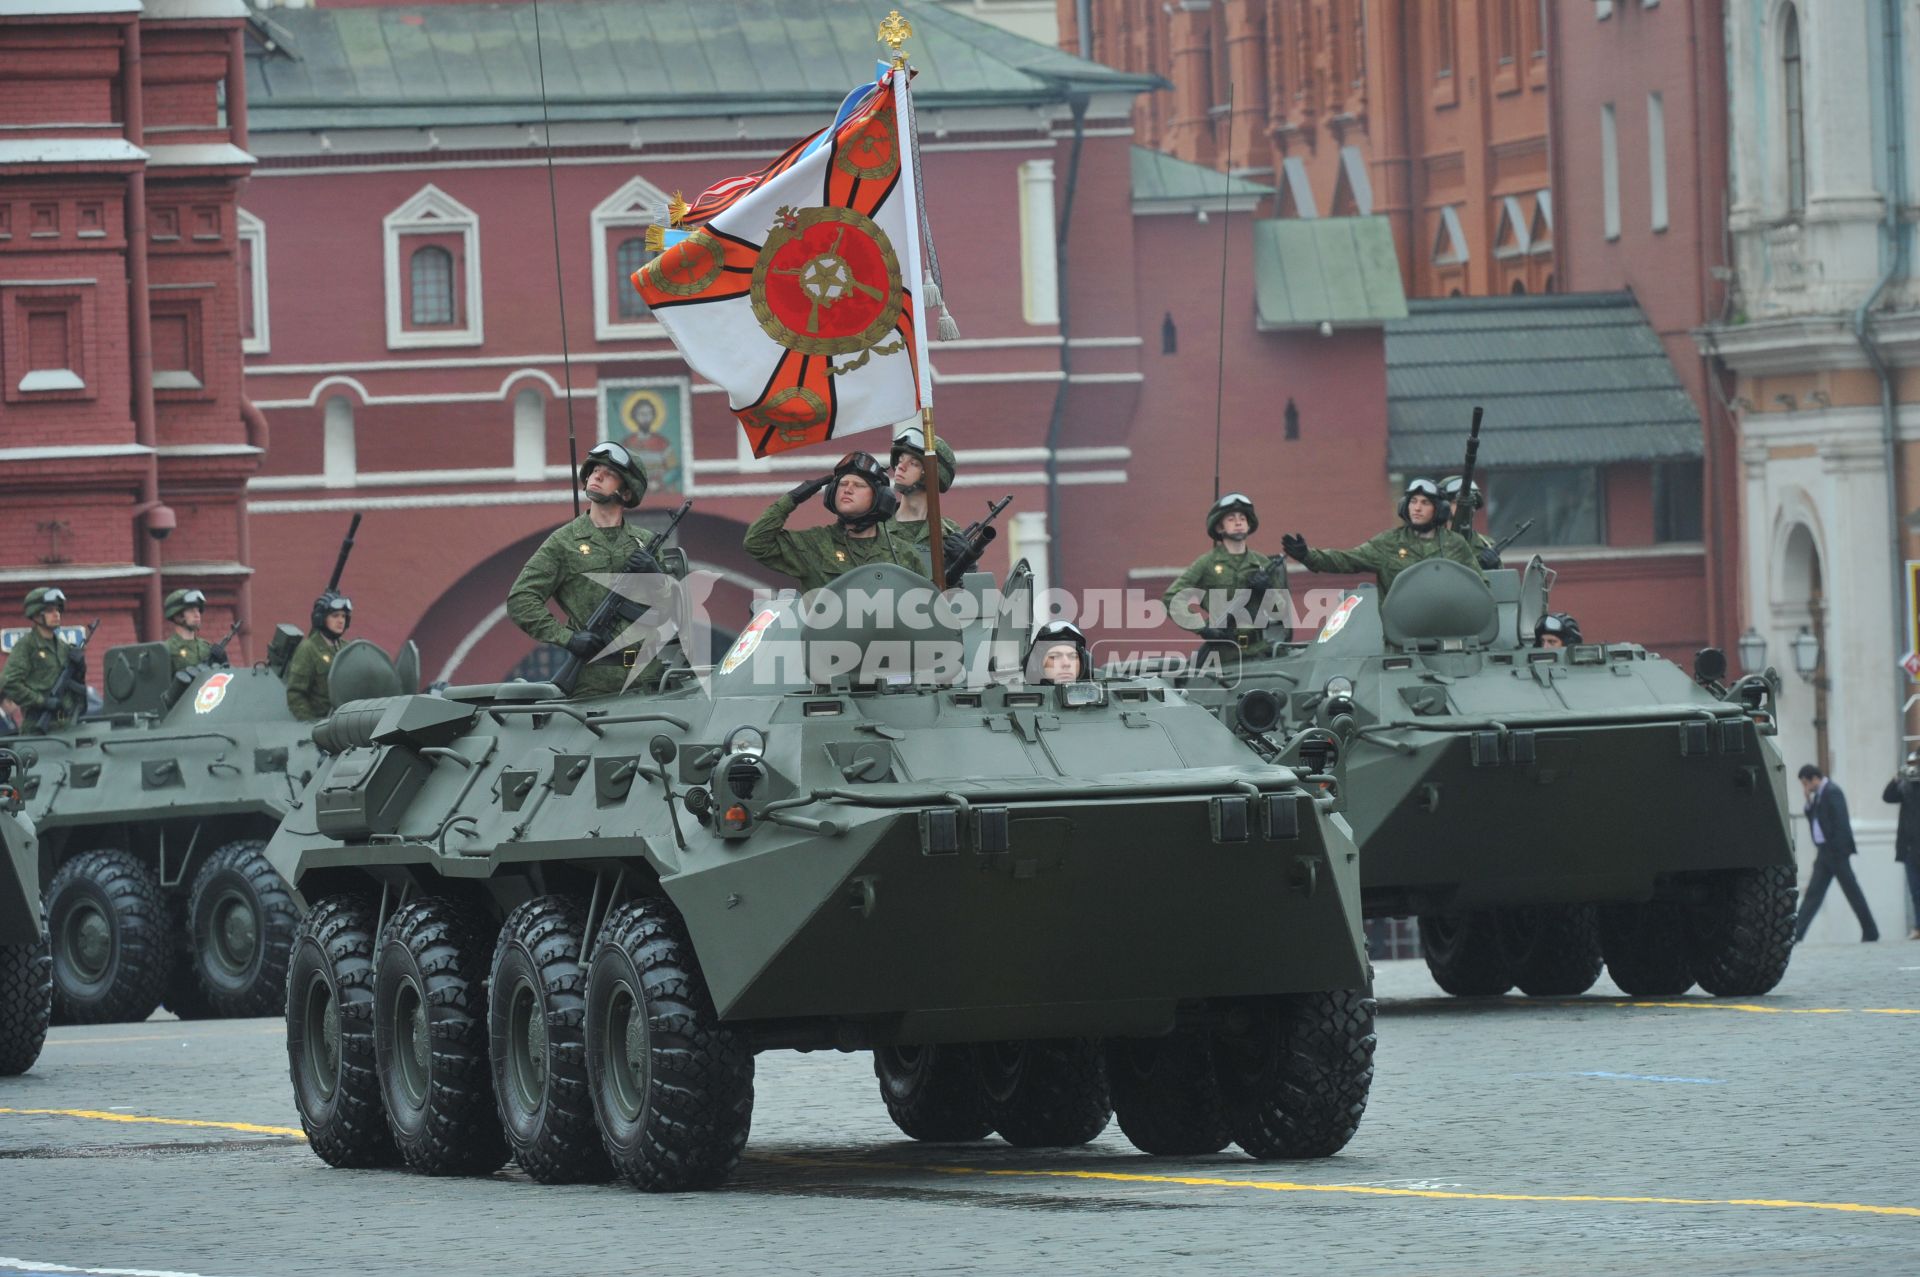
[
  {"x": 1220, "y": 373},
  {"x": 559, "y": 275}
]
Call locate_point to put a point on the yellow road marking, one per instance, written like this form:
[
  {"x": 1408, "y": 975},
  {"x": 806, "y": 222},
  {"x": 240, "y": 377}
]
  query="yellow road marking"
[
  {"x": 1754, "y": 1008},
  {"x": 99, "y": 1115},
  {"x": 165, "y": 1037}
]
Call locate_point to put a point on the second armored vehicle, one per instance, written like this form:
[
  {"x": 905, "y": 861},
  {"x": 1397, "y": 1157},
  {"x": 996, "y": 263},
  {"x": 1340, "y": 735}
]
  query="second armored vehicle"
[{"x": 26, "y": 984}]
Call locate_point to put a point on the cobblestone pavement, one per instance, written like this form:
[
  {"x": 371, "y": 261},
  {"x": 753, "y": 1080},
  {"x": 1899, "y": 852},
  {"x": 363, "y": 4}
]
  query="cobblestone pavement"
[{"x": 1773, "y": 1137}]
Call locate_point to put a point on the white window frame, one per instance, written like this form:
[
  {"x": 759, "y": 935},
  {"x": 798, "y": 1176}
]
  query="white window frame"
[
  {"x": 638, "y": 203},
  {"x": 1456, "y": 252},
  {"x": 1039, "y": 264},
  {"x": 1513, "y": 216},
  {"x": 1602, "y": 10},
  {"x": 1359, "y": 183},
  {"x": 339, "y": 446},
  {"x": 1657, "y": 161},
  {"x": 1610, "y": 171},
  {"x": 432, "y": 212},
  {"x": 1299, "y": 184},
  {"x": 250, "y": 229},
  {"x": 529, "y": 435}
]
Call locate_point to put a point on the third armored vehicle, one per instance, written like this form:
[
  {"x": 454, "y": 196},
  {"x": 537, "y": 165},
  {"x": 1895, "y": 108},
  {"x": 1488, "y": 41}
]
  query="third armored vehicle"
[
  {"x": 561, "y": 930},
  {"x": 1542, "y": 810}
]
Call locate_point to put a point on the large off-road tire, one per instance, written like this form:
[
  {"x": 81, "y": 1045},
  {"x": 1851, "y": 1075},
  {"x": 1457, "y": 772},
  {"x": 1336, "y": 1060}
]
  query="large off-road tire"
[
  {"x": 536, "y": 1012},
  {"x": 1045, "y": 1094},
  {"x": 330, "y": 1034},
  {"x": 183, "y": 995},
  {"x": 1165, "y": 1095},
  {"x": 932, "y": 1092},
  {"x": 26, "y": 1004},
  {"x": 1740, "y": 936},
  {"x": 1465, "y": 953},
  {"x": 1296, "y": 1082},
  {"x": 672, "y": 1086},
  {"x": 1645, "y": 946},
  {"x": 112, "y": 952},
  {"x": 240, "y": 924},
  {"x": 430, "y": 1038},
  {"x": 1552, "y": 950}
]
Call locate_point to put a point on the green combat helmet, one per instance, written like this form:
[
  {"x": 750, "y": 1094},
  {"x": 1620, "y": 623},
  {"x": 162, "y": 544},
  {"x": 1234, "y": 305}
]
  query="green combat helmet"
[
  {"x": 180, "y": 600},
  {"x": 615, "y": 457},
  {"x": 1233, "y": 502},
  {"x": 912, "y": 441},
  {"x": 41, "y": 598}
]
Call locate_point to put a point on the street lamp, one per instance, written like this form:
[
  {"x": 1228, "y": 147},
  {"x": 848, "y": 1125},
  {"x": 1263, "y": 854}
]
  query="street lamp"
[
  {"x": 1753, "y": 651},
  {"x": 1806, "y": 653}
]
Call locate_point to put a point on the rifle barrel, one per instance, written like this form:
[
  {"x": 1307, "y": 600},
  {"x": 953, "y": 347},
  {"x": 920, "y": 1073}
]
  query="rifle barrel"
[{"x": 346, "y": 548}]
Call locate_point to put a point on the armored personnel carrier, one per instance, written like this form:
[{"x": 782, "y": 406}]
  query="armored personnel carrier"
[
  {"x": 152, "y": 815},
  {"x": 560, "y": 931},
  {"x": 1541, "y": 811},
  {"x": 26, "y": 986}
]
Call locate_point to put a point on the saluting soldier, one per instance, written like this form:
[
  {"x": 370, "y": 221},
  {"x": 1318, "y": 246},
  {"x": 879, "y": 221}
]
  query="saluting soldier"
[
  {"x": 1423, "y": 534},
  {"x": 1227, "y": 579},
  {"x": 599, "y": 543},
  {"x": 186, "y": 609},
  {"x": 34, "y": 665},
  {"x": 861, "y": 499},
  {"x": 308, "y": 694}
]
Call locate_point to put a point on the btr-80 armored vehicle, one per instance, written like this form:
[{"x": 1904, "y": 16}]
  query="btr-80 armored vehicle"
[
  {"x": 151, "y": 816},
  {"x": 26, "y": 987},
  {"x": 1541, "y": 810},
  {"x": 561, "y": 930}
]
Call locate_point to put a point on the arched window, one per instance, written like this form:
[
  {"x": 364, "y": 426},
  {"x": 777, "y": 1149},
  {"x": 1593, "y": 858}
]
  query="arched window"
[
  {"x": 1793, "y": 93},
  {"x": 1519, "y": 289},
  {"x": 628, "y": 258},
  {"x": 430, "y": 285},
  {"x": 529, "y": 435},
  {"x": 337, "y": 460}
]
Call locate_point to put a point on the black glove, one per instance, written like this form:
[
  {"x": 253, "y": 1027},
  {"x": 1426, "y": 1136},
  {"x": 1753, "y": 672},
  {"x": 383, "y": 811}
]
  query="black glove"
[
  {"x": 1489, "y": 559},
  {"x": 584, "y": 643},
  {"x": 77, "y": 660},
  {"x": 1295, "y": 545},
  {"x": 643, "y": 561},
  {"x": 1217, "y": 633},
  {"x": 808, "y": 488},
  {"x": 960, "y": 555},
  {"x": 1260, "y": 582},
  {"x": 217, "y": 654}
]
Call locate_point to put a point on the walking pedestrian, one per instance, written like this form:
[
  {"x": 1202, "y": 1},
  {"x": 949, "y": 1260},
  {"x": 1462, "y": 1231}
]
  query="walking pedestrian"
[{"x": 1832, "y": 833}]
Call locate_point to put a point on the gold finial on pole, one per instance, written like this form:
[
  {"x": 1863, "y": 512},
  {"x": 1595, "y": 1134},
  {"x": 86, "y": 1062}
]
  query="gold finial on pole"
[{"x": 894, "y": 32}]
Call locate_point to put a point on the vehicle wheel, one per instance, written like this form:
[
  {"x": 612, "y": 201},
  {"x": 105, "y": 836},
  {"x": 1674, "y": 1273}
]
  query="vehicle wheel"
[
  {"x": 240, "y": 924},
  {"x": 183, "y": 995},
  {"x": 1740, "y": 937},
  {"x": 932, "y": 1093},
  {"x": 107, "y": 924},
  {"x": 1552, "y": 950},
  {"x": 1044, "y": 1094},
  {"x": 1296, "y": 1083},
  {"x": 1645, "y": 946},
  {"x": 430, "y": 1038},
  {"x": 26, "y": 1003},
  {"x": 672, "y": 1086},
  {"x": 330, "y": 1034},
  {"x": 1465, "y": 954},
  {"x": 1165, "y": 1094},
  {"x": 536, "y": 1007}
]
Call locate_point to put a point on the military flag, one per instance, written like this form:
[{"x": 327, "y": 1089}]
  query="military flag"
[{"x": 798, "y": 289}]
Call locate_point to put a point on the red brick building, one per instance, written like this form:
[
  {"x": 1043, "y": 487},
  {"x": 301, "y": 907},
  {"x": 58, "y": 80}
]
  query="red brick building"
[{"x": 122, "y": 420}]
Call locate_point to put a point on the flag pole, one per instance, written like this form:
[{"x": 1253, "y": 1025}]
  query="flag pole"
[{"x": 894, "y": 32}]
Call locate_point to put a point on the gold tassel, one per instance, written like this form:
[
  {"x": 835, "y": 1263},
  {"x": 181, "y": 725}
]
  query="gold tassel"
[{"x": 656, "y": 240}]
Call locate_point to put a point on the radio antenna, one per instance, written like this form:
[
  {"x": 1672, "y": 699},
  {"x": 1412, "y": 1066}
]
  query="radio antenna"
[
  {"x": 1220, "y": 372},
  {"x": 559, "y": 275}
]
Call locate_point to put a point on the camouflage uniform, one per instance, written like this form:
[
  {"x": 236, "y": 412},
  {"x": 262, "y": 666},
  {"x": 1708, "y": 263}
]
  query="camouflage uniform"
[
  {"x": 307, "y": 693},
  {"x": 185, "y": 652},
  {"x": 1219, "y": 571},
  {"x": 815, "y": 556},
  {"x": 560, "y": 570},
  {"x": 915, "y": 530},
  {"x": 1394, "y": 551},
  {"x": 32, "y": 669}
]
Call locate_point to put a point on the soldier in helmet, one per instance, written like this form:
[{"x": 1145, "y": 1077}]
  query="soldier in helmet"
[
  {"x": 1556, "y": 629},
  {"x": 907, "y": 464},
  {"x": 34, "y": 665},
  {"x": 861, "y": 499},
  {"x": 597, "y": 543},
  {"x": 186, "y": 609},
  {"x": 1058, "y": 654},
  {"x": 308, "y": 695},
  {"x": 1222, "y": 592},
  {"x": 1423, "y": 534},
  {"x": 1462, "y": 521}
]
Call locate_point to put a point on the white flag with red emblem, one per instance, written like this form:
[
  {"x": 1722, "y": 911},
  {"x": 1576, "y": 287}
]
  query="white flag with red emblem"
[{"x": 797, "y": 289}]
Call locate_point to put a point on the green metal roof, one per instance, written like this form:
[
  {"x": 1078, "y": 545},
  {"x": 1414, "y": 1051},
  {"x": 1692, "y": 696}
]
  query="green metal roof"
[
  {"x": 1161, "y": 178},
  {"x": 1567, "y": 380},
  {"x": 1314, "y": 270},
  {"x": 635, "y": 59}
]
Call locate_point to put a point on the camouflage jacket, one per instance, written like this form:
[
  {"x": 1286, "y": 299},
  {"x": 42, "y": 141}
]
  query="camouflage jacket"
[
  {"x": 1218, "y": 573},
  {"x": 915, "y": 530},
  {"x": 562, "y": 569},
  {"x": 32, "y": 669},
  {"x": 307, "y": 693},
  {"x": 186, "y": 652},
  {"x": 815, "y": 556},
  {"x": 1392, "y": 552}
]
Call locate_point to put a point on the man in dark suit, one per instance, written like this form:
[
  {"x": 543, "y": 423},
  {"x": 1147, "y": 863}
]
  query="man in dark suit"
[
  {"x": 1832, "y": 833},
  {"x": 1905, "y": 790}
]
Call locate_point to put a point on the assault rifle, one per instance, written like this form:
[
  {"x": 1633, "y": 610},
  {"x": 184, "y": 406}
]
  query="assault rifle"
[
  {"x": 616, "y": 607},
  {"x": 963, "y": 549},
  {"x": 1510, "y": 538},
  {"x": 70, "y": 673},
  {"x": 218, "y": 656}
]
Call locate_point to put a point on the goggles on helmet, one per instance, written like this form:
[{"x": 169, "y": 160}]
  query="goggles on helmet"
[
  {"x": 53, "y": 598},
  {"x": 193, "y": 598},
  {"x": 1423, "y": 488}
]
